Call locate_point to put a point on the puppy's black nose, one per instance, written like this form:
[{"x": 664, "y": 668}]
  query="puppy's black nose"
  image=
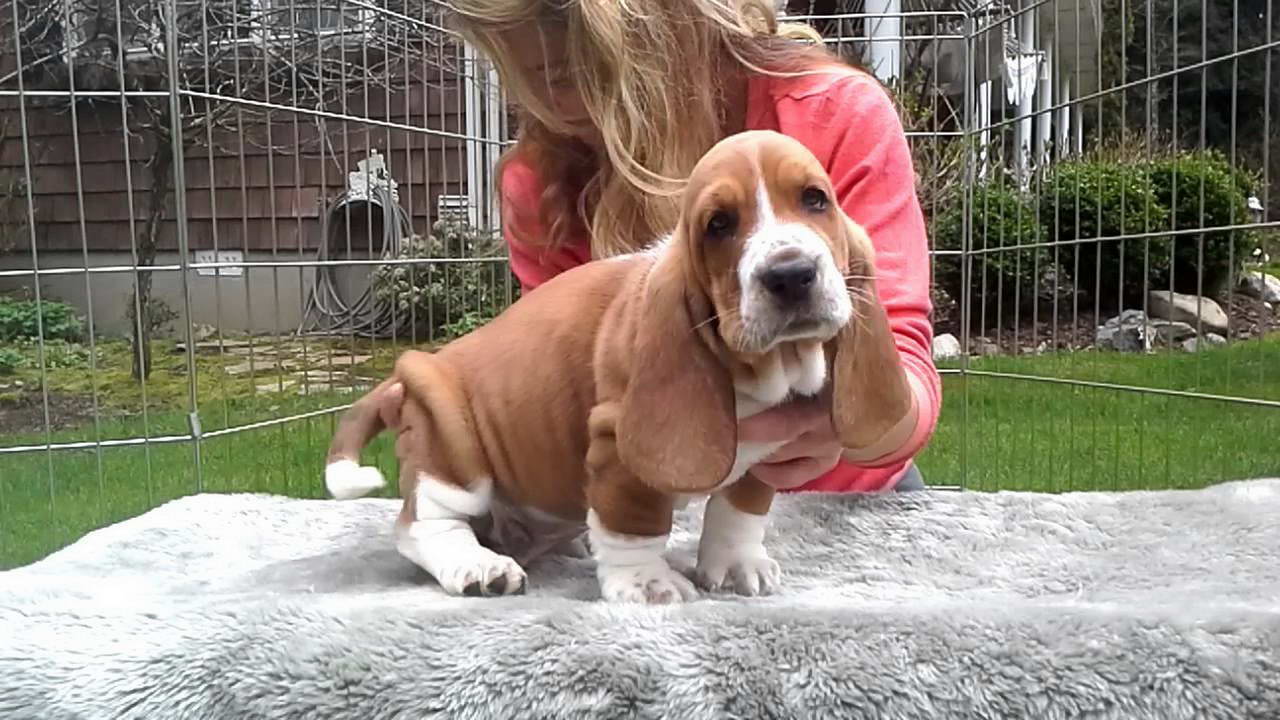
[{"x": 790, "y": 280}]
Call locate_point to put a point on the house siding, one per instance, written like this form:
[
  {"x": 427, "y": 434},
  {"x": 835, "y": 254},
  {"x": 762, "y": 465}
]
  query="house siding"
[{"x": 239, "y": 194}]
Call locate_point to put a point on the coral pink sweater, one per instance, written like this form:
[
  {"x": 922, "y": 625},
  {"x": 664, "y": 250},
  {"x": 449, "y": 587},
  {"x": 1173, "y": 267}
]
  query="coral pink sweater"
[{"x": 849, "y": 123}]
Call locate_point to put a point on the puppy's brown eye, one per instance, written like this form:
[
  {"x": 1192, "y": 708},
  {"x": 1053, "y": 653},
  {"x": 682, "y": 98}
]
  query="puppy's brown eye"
[
  {"x": 720, "y": 224},
  {"x": 814, "y": 199}
]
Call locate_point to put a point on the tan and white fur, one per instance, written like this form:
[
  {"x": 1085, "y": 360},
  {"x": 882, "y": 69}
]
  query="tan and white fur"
[{"x": 611, "y": 394}]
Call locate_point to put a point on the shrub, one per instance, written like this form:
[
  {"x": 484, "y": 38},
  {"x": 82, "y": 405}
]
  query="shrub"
[
  {"x": 10, "y": 361},
  {"x": 1096, "y": 198},
  {"x": 449, "y": 298},
  {"x": 1226, "y": 192},
  {"x": 1002, "y": 218},
  {"x": 468, "y": 321},
  {"x": 59, "y": 354},
  {"x": 18, "y": 320}
]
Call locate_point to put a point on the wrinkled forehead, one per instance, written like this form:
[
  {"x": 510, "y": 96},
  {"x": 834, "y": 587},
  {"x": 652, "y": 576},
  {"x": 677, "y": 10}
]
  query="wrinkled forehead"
[
  {"x": 728, "y": 178},
  {"x": 737, "y": 171}
]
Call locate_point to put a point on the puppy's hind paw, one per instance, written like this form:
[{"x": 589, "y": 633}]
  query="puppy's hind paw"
[{"x": 483, "y": 574}]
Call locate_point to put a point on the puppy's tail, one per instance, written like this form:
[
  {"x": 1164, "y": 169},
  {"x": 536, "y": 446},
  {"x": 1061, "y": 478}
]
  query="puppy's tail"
[
  {"x": 433, "y": 398},
  {"x": 447, "y": 417},
  {"x": 344, "y": 476}
]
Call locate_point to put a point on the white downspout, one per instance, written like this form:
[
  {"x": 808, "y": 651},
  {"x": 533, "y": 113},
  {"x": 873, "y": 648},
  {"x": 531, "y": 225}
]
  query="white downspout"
[{"x": 472, "y": 102}]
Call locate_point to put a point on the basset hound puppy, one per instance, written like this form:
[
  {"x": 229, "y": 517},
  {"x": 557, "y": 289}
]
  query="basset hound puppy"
[{"x": 610, "y": 394}]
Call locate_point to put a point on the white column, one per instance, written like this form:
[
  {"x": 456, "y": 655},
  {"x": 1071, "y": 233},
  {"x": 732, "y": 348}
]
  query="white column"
[
  {"x": 472, "y": 124},
  {"x": 495, "y": 131},
  {"x": 1077, "y": 123},
  {"x": 982, "y": 116},
  {"x": 884, "y": 35},
  {"x": 1064, "y": 117},
  {"x": 1026, "y": 99},
  {"x": 1044, "y": 121}
]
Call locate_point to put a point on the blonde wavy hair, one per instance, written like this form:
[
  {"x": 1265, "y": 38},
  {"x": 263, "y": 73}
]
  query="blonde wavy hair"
[{"x": 651, "y": 74}]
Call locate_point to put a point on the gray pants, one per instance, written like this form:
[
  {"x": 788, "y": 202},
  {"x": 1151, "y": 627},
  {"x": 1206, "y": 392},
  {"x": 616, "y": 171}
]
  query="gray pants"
[{"x": 910, "y": 481}]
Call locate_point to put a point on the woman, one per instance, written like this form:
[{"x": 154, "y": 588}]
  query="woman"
[{"x": 619, "y": 98}]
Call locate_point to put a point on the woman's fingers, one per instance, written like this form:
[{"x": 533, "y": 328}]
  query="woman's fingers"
[
  {"x": 810, "y": 444},
  {"x": 784, "y": 422},
  {"x": 795, "y": 472},
  {"x": 805, "y": 458}
]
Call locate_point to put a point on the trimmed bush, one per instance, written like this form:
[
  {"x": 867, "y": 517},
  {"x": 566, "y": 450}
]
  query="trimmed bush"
[
  {"x": 1087, "y": 205},
  {"x": 18, "y": 320},
  {"x": 1000, "y": 278},
  {"x": 1226, "y": 192},
  {"x": 445, "y": 299},
  {"x": 10, "y": 361}
]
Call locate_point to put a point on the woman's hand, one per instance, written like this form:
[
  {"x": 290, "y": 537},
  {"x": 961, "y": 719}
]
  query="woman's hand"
[{"x": 811, "y": 448}]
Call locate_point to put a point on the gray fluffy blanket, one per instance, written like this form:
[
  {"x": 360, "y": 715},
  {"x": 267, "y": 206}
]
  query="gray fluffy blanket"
[{"x": 922, "y": 605}]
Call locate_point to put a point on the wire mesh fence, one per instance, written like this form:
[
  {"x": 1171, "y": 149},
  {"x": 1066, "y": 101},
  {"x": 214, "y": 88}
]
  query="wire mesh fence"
[{"x": 219, "y": 220}]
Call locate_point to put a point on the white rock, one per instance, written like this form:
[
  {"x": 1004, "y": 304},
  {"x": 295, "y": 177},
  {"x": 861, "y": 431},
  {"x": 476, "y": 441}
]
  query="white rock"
[
  {"x": 946, "y": 347},
  {"x": 1209, "y": 340},
  {"x": 1190, "y": 309},
  {"x": 1130, "y": 331},
  {"x": 1170, "y": 332},
  {"x": 1261, "y": 285}
]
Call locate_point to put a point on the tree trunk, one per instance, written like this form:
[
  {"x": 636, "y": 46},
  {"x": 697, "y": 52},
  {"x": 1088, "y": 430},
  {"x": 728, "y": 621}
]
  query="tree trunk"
[{"x": 140, "y": 331}]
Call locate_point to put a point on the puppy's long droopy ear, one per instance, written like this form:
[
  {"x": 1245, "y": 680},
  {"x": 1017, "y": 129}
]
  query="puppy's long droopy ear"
[
  {"x": 676, "y": 429},
  {"x": 872, "y": 406}
]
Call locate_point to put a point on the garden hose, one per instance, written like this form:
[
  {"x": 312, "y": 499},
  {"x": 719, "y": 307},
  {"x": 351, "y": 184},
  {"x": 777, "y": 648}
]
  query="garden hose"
[{"x": 326, "y": 312}]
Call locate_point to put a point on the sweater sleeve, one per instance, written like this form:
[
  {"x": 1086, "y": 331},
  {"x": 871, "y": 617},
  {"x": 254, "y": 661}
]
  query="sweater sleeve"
[
  {"x": 531, "y": 261},
  {"x": 874, "y": 179}
]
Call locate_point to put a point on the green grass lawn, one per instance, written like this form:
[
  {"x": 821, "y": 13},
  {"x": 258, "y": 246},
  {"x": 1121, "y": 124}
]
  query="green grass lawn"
[
  {"x": 1023, "y": 433},
  {"x": 995, "y": 433}
]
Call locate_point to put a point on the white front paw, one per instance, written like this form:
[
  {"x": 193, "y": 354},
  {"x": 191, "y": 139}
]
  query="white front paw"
[
  {"x": 747, "y": 569},
  {"x": 482, "y": 572},
  {"x": 652, "y": 583}
]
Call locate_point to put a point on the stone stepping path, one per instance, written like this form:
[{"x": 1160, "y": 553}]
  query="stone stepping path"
[{"x": 290, "y": 367}]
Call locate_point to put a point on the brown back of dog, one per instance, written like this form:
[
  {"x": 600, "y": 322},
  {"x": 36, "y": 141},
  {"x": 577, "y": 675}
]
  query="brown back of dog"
[{"x": 528, "y": 379}]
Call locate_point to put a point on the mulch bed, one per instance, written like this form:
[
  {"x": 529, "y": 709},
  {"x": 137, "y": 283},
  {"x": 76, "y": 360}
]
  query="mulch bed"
[
  {"x": 1076, "y": 327},
  {"x": 23, "y": 412}
]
